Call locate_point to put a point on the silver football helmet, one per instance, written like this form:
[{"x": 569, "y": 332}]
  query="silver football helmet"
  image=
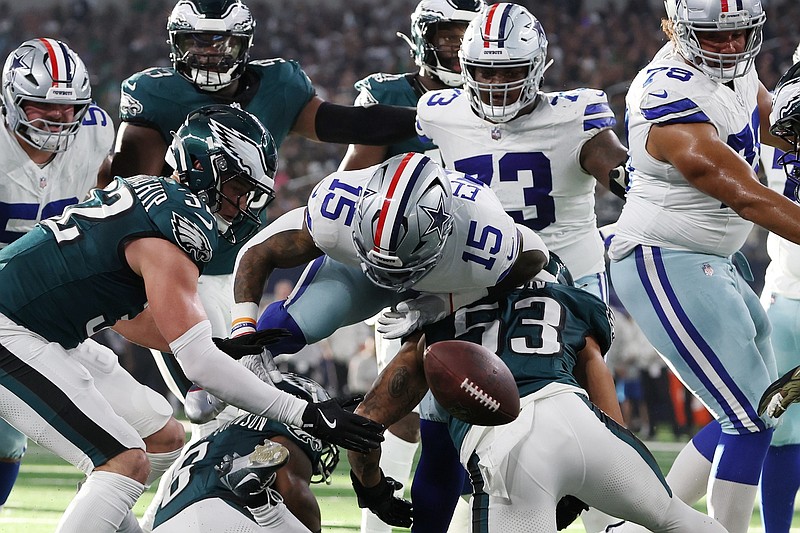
[
  {"x": 403, "y": 218},
  {"x": 46, "y": 71},
  {"x": 425, "y": 21},
  {"x": 785, "y": 118},
  {"x": 504, "y": 36},
  {"x": 690, "y": 17},
  {"x": 210, "y": 41}
]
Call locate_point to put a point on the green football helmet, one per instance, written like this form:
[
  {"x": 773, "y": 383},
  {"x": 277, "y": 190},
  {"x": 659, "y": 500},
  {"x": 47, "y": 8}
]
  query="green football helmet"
[
  {"x": 210, "y": 41},
  {"x": 224, "y": 154}
]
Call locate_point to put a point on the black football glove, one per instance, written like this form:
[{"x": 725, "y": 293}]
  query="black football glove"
[
  {"x": 332, "y": 421},
  {"x": 381, "y": 500},
  {"x": 567, "y": 510},
  {"x": 250, "y": 344}
]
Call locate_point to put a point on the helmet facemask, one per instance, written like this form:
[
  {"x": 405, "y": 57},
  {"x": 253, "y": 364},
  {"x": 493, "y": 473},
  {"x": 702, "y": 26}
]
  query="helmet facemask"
[{"x": 785, "y": 120}]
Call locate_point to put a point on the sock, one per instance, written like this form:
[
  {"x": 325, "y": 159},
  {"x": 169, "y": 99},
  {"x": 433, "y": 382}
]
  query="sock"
[
  {"x": 438, "y": 479},
  {"x": 734, "y": 478},
  {"x": 101, "y": 504},
  {"x": 129, "y": 524},
  {"x": 780, "y": 480},
  {"x": 149, "y": 516},
  {"x": 688, "y": 477},
  {"x": 461, "y": 517},
  {"x": 397, "y": 457},
  {"x": 159, "y": 463},
  {"x": 276, "y": 517},
  {"x": 8, "y": 476}
]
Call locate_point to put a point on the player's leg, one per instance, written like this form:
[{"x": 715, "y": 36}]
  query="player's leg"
[
  {"x": 12, "y": 448},
  {"x": 214, "y": 514},
  {"x": 780, "y": 477},
  {"x": 292, "y": 482},
  {"x": 700, "y": 314},
  {"x": 45, "y": 393}
]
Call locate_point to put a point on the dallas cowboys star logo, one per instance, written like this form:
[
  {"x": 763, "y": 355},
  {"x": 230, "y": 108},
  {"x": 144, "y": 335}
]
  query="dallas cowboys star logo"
[{"x": 440, "y": 219}]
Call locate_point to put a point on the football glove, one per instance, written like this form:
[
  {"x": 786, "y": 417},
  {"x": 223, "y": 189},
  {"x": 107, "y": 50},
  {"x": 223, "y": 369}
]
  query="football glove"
[
  {"x": 410, "y": 315},
  {"x": 334, "y": 422},
  {"x": 381, "y": 500},
  {"x": 567, "y": 510},
  {"x": 250, "y": 344}
]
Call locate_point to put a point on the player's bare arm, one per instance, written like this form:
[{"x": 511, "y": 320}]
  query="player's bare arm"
[
  {"x": 601, "y": 154},
  {"x": 138, "y": 150},
  {"x": 714, "y": 168},
  {"x": 142, "y": 330},
  {"x": 396, "y": 391},
  {"x": 360, "y": 156},
  {"x": 286, "y": 249},
  {"x": 527, "y": 265},
  {"x": 594, "y": 376}
]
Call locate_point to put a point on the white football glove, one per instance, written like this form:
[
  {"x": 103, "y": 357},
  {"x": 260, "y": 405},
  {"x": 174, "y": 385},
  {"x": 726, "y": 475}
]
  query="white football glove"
[
  {"x": 410, "y": 315},
  {"x": 263, "y": 366}
]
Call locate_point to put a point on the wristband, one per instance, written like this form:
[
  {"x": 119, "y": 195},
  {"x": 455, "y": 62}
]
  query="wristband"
[{"x": 244, "y": 321}]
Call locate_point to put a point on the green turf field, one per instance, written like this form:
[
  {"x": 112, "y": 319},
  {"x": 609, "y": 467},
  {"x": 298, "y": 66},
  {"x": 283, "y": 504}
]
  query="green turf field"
[{"x": 46, "y": 485}]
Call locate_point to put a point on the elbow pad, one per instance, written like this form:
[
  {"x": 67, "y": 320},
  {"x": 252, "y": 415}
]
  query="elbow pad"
[{"x": 376, "y": 125}]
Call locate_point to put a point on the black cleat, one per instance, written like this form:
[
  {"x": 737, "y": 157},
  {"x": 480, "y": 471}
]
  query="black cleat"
[{"x": 782, "y": 393}]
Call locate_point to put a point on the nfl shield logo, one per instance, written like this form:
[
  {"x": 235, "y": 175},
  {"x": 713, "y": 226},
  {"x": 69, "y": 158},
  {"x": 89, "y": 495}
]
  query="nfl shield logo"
[
  {"x": 42, "y": 182},
  {"x": 496, "y": 133},
  {"x": 708, "y": 270}
]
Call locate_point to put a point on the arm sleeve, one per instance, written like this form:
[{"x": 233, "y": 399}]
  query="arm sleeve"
[
  {"x": 220, "y": 375},
  {"x": 376, "y": 125}
]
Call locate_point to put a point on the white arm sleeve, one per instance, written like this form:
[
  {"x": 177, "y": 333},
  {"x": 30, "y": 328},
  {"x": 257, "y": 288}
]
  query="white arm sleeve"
[{"x": 210, "y": 368}]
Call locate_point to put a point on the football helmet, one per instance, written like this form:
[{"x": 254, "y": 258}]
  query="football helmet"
[
  {"x": 218, "y": 144},
  {"x": 403, "y": 218},
  {"x": 311, "y": 391},
  {"x": 48, "y": 71},
  {"x": 690, "y": 17},
  {"x": 425, "y": 21},
  {"x": 785, "y": 119},
  {"x": 503, "y": 37},
  {"x": 555, "y": 271},
  {"x": 210, "y": 41}
]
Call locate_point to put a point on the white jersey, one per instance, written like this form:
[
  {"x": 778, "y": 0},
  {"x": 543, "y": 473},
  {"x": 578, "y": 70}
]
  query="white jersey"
[
  {"x": 532, "y": 163},
  {"x": 479, "y": 252},
  {"x": 662, "y": 208},
  {"x": 783, "y": 272},
  {"x": 30, "y": 193}
]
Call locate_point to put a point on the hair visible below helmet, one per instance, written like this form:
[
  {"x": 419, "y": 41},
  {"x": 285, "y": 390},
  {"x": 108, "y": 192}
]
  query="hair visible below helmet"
[
  {"x": 504, "y": 36},
  {"x": 219, "y": 143},
  {"x": 785, "y": 118},
  {"x": 223, "y": 29},
  {"x": 425, "y": 21},
  {"x": 690, "y": 17},
  {"x": 311, "y": 391},
  {"x": 403, "y": 218},
  {"x": 48, "y": 71}
]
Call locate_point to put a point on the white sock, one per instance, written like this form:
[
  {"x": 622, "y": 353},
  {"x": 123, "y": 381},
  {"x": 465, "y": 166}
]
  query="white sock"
[
  {"x": 149, "y": 516},
  {"x": 688, "y": 477},
  {"x": 276, "y": 517},
  {"x": 159, "y": 463},
  {"x": 732, "y": 504},
  {"x": 101, "y": 504},
  {"x": 461, "y": 518},
  {"x": 397, "y": 457},
  {"x": 129, "y": 524},
  {"x": 595, "y": 521}
]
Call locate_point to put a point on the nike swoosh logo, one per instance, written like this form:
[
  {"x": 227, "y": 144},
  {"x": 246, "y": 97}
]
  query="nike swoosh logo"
[
  {"x": 328, "y": 422},
  {"x": 132, "y": 85},
  {"x": 207, "y": 224},
  {"x": 662, "y": 94}
]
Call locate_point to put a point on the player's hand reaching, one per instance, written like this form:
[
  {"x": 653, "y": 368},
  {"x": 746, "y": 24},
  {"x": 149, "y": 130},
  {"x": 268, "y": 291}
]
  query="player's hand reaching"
[
  {"x": 333, "y": 421},
  {"x": 381, "y": 500},
  {"x": 410, "y": 315},
  {"x": 251, "y": 343}
]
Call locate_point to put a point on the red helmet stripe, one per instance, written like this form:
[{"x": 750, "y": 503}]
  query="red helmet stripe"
[
  {"x": 725, "y": 7},
  {"x": 387, "y": 200},
  {"x": 59, "y": 62},
  {"x": 487, "y": 29}
]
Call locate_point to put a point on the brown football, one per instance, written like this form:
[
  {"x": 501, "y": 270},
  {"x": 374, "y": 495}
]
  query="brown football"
[{"x": 472, "y": 383}]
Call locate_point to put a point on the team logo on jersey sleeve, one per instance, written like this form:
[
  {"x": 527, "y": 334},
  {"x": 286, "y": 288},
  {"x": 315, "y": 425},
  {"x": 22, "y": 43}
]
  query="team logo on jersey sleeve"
[
  {"x": 191, "y": 239},
  {"x": 128, "y": 105}
]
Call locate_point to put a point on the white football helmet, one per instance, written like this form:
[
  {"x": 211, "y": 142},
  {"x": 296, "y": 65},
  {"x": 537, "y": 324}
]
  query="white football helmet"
[
  {"x": 785, "y": 118},
  {"x": 692, "y": 16},
  {"x": 403, "y": 218},
  {"x": 45, "y": 70},
  {"x": 424, "y": 22},
  {"x": 504, "y": 36},
  {"x": 210, "y": 41},
  {"x": 796, "y": 55}
]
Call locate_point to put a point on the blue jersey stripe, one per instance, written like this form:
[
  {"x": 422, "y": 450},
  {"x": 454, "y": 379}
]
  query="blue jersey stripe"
[
  {"x": 689, "y": 119},
  {"x": 594, "y": 109},
  {"x": 605, "y": 122},
  {"x": 678, "y": 106}
]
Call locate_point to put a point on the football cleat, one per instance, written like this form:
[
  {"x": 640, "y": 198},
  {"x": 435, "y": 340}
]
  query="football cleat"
[
  {"x": 252, "y": 474},
  {"x": 782, "y": 393}
]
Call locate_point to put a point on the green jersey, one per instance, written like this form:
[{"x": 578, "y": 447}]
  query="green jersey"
[
  {"x": 195, "y": 479},
  {"x": 68, "y": 278},
  {"x": 274, "y": 90},
  {"x": 393, "y": 89},
  {"x": 537, "y": 332}
]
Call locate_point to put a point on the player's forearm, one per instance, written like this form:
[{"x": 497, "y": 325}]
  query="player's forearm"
[
  {"x": 142, "y": 330},
  {"x": 366, "y": 466},
  {"x": 595, "y": 377}
]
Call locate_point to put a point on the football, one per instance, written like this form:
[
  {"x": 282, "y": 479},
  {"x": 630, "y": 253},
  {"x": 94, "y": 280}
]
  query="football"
[{"x": 472, "y": 383}]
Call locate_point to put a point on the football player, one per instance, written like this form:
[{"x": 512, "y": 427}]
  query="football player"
[
  {"x": 560, "y": 444},
  {"x": 437, "y": 27},
  {"x": 696, "y": 117},
  {"x": 129, "y": 257},
  {"x": 54, "y": 145},
  {"x": 216, "y": 488}
]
